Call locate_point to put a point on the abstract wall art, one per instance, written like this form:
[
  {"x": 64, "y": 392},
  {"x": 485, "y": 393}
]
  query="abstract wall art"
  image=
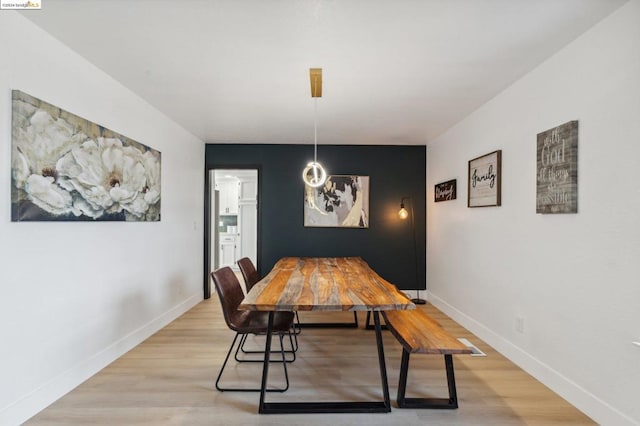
[
  {"x": 66, "y": 168},
  {"x": 343, "y": 202}
]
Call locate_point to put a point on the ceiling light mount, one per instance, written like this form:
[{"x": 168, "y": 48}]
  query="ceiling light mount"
[
  {"x": 315, "y": 77},
  {"x": 314, "y": 174}
]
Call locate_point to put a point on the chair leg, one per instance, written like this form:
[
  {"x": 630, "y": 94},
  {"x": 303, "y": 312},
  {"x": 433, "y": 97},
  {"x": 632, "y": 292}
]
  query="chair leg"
[
  {"x": 294, "y": 347},
  {"x": 293, "y": 339},
  {"x": 296, "y": 326},
  {"x": 240, "y": 348},
  {"x": 224, "y": 364},
  {"x": 284, "y": 364}
]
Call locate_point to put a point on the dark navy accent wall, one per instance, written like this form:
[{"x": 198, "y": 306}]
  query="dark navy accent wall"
[{"x": 387, "y": 245}]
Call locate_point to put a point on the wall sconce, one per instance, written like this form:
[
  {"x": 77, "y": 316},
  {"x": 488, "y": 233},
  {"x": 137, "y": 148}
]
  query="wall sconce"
[{"x": 403, "y": 214}]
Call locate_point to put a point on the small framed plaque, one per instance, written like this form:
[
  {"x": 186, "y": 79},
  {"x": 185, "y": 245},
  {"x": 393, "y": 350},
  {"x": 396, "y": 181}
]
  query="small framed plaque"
[
  {"x": 485, "y": 180},
  {"x": 445, "y": 191}
]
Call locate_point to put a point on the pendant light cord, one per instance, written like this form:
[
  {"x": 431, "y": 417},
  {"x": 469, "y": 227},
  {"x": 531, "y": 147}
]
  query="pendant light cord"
[{"x": 315, "y": 123}]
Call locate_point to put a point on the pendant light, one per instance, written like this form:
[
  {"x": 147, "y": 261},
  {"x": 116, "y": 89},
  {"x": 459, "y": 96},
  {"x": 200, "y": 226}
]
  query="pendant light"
[{"x": 314, "y": 174}]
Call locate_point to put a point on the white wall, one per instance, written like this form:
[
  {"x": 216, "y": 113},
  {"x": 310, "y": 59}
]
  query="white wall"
[
  {"x": 573, "y": 278},
  {"x": 75, "y": 296}
]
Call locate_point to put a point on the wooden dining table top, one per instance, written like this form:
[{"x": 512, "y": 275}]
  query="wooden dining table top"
[{"x": 324, "y": 284}]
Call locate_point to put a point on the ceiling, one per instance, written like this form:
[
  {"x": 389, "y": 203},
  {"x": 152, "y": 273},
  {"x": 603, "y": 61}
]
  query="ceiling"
[{"x": 394, "y": 71}]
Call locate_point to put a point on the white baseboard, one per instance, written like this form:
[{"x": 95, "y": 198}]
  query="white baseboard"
[
  {"x": 34, "y": 402},
  {"x": 600, "y": 411}
]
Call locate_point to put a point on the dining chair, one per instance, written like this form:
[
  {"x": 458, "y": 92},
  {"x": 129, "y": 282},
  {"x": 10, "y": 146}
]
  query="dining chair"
[
  {"x": 247, "y": 322},
  {"x": 251, "y": 277},
  {"x": 249, "y": 273}
]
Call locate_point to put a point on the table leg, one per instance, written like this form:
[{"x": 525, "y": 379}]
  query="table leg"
[
  {"x": 326, "y": 407},
  {"x": 381, "y": 361},
  {"x": 265, "y": 366}
]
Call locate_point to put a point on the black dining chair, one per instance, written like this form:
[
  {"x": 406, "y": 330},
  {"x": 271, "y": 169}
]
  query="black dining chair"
[
  {"x": 247, "y": 322},
  {"x": 251, "y": 277}
]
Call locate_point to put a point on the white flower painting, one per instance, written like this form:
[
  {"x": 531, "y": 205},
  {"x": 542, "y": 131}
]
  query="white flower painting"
[
  {"x": 66, "y": 168},
  {"x": 343, "y": 201}
]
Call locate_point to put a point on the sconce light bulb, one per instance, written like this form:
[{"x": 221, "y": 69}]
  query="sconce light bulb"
[{"x": 403, "y": 213}]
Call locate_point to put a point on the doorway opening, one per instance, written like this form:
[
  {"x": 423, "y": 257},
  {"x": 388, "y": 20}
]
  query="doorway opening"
[{"x": 231, "y": 218}]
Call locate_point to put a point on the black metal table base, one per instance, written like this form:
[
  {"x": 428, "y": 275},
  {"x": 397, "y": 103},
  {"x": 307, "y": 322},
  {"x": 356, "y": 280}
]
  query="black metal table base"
[
  {"x": 369, "y": 326},
  {"x": 353, "y": 324},
  {"x": 323, "y": 407},
  {"x": 383, "y": 406}
]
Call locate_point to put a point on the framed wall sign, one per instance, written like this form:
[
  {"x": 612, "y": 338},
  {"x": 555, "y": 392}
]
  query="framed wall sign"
[
  {"x": 445, "y": 191},
  {"x": 485, "y": 180},
  {"x": 557, "y": 169}
]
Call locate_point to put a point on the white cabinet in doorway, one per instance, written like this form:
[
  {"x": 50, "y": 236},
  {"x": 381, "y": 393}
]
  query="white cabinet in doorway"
[
  {"x": 228, "y": 251},
  {"x": 228, "y": 196},
  {"x": 248, "y": 218},
  {"x": 247, "y": 191}
]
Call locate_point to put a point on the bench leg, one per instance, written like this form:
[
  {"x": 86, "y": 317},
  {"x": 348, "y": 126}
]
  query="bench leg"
[
  {"x": 442, "y": 403},
  {"x": 451, "y": 381},
  {"x": 402, "y": 384}
]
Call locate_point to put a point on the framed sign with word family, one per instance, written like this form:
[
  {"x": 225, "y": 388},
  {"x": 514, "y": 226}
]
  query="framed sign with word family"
[
  {"x": 445, "y": 191},
  {"x": 557, "y": 170},
  {"x": 484, "y": 180}
]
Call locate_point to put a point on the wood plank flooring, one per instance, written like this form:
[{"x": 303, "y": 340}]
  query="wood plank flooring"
[{"x": 169, "y": 380}]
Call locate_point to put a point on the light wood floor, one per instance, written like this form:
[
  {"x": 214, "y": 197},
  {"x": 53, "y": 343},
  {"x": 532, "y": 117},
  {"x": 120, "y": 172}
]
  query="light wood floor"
[{"x": 169, "y": 380}]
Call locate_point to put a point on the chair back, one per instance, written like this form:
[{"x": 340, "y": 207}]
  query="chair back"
[
  {"x": 230, "y": 294},
  {"x": 249, "y": 272}
]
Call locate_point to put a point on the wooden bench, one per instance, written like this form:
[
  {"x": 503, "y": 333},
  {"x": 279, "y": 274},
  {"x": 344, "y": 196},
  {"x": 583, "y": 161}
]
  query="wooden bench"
[{"x": 419, "y": 333}]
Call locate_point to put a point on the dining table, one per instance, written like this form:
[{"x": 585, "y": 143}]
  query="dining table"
[{"x": 325, "y": 284}]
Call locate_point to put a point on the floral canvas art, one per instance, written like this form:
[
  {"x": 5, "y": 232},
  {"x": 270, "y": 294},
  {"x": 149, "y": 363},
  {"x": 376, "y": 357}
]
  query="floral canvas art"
[{"x": 66, "y": 168}]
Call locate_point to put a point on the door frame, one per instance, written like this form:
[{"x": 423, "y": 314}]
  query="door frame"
[{"x": 207, "y": 217}]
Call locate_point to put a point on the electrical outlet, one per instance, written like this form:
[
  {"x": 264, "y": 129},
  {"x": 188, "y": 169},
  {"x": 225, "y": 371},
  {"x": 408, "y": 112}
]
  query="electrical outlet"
[{"x": 520, "y": 324}]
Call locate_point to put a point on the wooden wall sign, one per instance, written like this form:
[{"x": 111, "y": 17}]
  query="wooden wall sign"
[
  {"x": 445, "y": 191},
  {"x": 485, "y": 174},
  {"x": 557, "y": 169}
]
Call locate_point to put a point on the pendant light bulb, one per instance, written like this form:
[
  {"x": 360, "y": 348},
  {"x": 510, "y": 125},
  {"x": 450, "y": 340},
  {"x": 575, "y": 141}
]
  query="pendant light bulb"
[{"x": 314, "y": 174}]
